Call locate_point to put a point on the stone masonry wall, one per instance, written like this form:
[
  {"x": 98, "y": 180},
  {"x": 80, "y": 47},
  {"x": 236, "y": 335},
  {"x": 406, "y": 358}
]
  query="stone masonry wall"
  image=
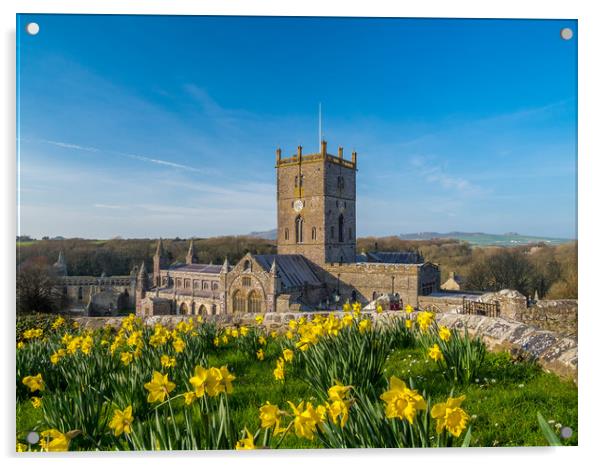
[
  {"x": 556, "y": 315},
  {"x": 555, "y": 353}
]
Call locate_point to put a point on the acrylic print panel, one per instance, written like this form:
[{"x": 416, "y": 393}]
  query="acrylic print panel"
[{"x": 221, "y": 239}]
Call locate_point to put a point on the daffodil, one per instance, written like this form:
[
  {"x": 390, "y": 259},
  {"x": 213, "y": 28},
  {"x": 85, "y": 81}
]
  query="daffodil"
[
  {"x": 189, "y": 397},
  {"x": 216, "y": 341},
  {"x": 270, "y": 417},
  {"x": 54, "y": 440},
  {"x": 179, "y": 345},
  {"x": 338, "y": 391},
  {"x": 425, "y": 319},
  {"x": 122, "y": 421},
  {"x": 306, "y": 419},
  {"x": 244, "y": 331},
  {"x": 21, "y": 447},
  {"x": 34, "y": 382},
  {"x": 364, "y": 325},
  {"x": 288, "y": 355},
  {"x": 409, "y": 323},
  {"x": 126, "y": 358},
  {"x": 36, "y": 402},
  {"x": 347, "y": 307},
  {"x": 279, "y": 371},
  {"x": 259, "y": 319},
  {"x": 247, "y": 443},
  {"x": 159, "y": 387},
  {"x": 58, "y": 322},
  {"x": 262, "y": 341},
  {"x": 379, "y": 309},
  {"x": 339, "y": 412},
  {"x": 168, "y": 361},
  {"x": 444, "y": 333},
  {"x": 409, "y": 309},
  {"x": 435, "y": 353},
  {"x": 260, "y": 354},
  {"x": 402, "y": 402},
  {"x": 450, "y": 416},
  {"x": 57, "y": 355}
]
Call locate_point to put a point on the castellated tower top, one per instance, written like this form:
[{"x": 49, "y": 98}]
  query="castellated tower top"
[
  {"x": 299, "y": 157},
  {"x": 316, "y": 205}
]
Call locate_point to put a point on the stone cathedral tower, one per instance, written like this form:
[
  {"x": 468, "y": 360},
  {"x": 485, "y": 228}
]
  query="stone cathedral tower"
[{"x": 316, "y": 205}]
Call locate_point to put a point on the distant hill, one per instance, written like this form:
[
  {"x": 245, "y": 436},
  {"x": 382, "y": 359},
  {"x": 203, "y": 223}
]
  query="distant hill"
[
  {"x": 269, "y": 234},
  {"x": 485, "y": 239}
]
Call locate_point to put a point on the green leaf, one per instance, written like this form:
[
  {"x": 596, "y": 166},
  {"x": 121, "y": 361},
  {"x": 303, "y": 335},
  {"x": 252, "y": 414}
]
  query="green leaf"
[{"x": 548, "y": 433}]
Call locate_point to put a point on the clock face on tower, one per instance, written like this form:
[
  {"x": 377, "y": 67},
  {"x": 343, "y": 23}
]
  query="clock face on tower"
[{"x": 298, "y": 205}]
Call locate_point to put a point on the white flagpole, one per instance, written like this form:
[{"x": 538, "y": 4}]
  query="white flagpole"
[{"x": 319, "y": 127}]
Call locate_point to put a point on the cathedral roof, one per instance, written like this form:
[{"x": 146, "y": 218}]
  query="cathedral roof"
[
  {"x": 293, "y": 269},
  {"x": 402, "y": 257},
  {"x": 199, "y": 268}
]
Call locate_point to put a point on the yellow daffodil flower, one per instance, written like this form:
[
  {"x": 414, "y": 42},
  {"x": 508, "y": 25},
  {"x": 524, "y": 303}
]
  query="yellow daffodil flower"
[
  {"x": 34, "y": 382},
  {"x": 450, "y": 416},
  {"x": 247, "y": 443},
  {"x": 159, "y": 387},
  {"x": 444, "y": 333},
  {"x": 402, "y": 402},
  {"x": 122, "y": 421},
  {"x": 435, "y": 353}
]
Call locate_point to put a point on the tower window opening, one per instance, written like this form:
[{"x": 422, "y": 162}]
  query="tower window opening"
[
  {"x": 286, "y": 234},
  {"x": 299, "y": 229},
  {"x": 313, "y": 234},
  {"x": 341, "y": 225}
]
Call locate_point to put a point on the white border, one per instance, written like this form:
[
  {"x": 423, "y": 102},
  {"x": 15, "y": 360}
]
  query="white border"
[{"x": 590, "y": 152}]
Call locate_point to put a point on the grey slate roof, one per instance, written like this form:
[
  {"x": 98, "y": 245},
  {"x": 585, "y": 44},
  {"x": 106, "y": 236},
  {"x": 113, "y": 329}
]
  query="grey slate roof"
[
  {"x": 402, "y": 257},
  {"x": 294, "y": 269},
  {"x": 199, "y": 268}
]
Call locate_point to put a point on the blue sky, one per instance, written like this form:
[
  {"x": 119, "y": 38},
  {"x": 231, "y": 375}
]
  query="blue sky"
[{"x": 147, "y": 126}]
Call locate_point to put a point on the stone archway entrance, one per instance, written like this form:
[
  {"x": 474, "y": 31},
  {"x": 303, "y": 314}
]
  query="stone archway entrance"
[{"x": 183, "y": 309}]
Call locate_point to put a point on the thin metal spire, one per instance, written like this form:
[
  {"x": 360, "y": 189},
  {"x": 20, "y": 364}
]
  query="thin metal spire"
[{"x": 319, "y": 126}]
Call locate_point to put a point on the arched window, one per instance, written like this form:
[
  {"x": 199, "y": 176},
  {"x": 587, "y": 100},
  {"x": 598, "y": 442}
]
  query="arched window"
[
  {"x": 246, "y": 281},
  {"x": 314, "y": 234},
  {"x": 205, "y": 285},
  {"x": 202, "y": 310},
  {"x": 178, "y": 283},
  {"x": 183, "y": 309},
  {"x": 247, "y": 265},
  {"x": 299, "y": 229},
  {"x": 254, "y": 302},
  {"x": 214, "y": 285},
  {"x": 341, "y": 224},
  {"x": 238, "y": 301},
  {"x": 187, "y": 283},
  {"x": 286, "y": 234}
]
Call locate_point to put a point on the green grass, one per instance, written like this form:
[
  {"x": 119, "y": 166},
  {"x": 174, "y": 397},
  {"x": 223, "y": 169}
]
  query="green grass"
[{"x": 505, "y": 400}]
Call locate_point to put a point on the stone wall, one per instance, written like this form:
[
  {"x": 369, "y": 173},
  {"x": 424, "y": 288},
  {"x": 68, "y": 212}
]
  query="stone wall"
[
  {"x": 556, "y": 315},
  {"x": 555, "y": 353}
]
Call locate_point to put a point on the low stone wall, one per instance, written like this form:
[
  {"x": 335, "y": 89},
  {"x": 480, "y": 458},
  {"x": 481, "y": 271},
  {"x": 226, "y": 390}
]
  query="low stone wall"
[
  {"x": 555, "y": 353},
  {"x": 438, "y": 304},
  {"x": 556, "y": 315}
]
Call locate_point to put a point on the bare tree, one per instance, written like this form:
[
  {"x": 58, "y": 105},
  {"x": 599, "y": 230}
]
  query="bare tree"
[{"x": 38, "y": 288}]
